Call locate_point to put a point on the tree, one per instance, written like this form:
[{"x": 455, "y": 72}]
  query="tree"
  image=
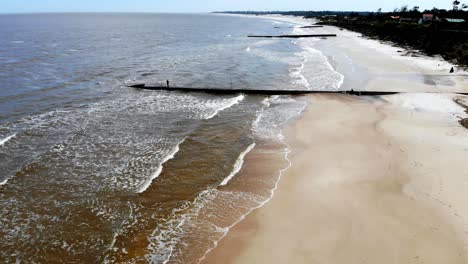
[
  {"x": 464, "y": 6},
  {"x": 379, "y": 10},
  {"x": 455, "y": 4},
  {"x": 404, "y": 9},
  {"x": 415, "y": 9}
]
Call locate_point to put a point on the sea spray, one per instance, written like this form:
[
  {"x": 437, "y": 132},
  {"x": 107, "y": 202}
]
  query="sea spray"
[
  {"x": 238, "y": 164},
  {"x": 158, "y": 171},
  {"x": 4, "y": 182},
  {"x": 300, "y": 107},
  {"x": 172, "y": 240},
  {"x": 227, "y": 103},
  {"x": 2, "y": 143},
  {"x": 217, "y": 108},
  {"x": 6, "y": 139},
  {"x": 169, "y": 233},
  {"x": 260, "y": 204},
  {"x": 315, "y": 71},
  {"x": 111, "y": 140}
]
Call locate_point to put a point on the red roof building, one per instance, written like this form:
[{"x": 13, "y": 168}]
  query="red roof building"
[{"x": 428, "y": 17}]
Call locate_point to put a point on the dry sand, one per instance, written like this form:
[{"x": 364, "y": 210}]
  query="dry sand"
[
  {"x": 377, "y": 66},
  {"x": 373, "y": 179}
]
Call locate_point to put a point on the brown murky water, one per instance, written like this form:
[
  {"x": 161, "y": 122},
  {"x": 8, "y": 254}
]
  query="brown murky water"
[
  {"x": 180, "y": 216},
  {"x": 94, "y": 172}
]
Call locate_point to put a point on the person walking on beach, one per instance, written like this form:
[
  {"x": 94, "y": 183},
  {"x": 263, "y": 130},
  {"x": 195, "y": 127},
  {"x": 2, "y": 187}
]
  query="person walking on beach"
[
  {"x": 452, "y": 70},
  {"x": 167, "y": 82}
]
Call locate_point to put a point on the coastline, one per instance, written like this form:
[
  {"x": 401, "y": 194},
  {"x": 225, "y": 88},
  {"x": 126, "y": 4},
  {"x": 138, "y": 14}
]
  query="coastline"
[
  {"x": 373, "y": 179},
  {"x": 352, "y": 54}
]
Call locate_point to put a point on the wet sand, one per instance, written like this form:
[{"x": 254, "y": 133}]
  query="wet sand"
[
  {"x": 362, "y": 189},
  {"x": 373, "y": 179}
]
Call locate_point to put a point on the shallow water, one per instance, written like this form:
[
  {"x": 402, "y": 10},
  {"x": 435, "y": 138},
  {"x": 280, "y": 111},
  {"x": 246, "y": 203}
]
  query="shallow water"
[{"x": 93, "y": 171}]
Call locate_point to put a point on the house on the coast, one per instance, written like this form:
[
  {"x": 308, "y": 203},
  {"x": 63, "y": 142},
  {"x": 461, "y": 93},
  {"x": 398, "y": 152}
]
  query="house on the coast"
[
  {"x": 428, "y": 17},
  {"x": 454, "y": 20},
  {"x": 401, "y": 19},
  {"x": 406, "y": 20}
]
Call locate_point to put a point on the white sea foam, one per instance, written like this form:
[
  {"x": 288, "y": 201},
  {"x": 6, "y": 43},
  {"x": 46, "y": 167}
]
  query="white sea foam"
[
  {"x": 169, "y": 233},
  {"x": 187, "y": 106},
  {"x": 5, "y": 140},
  {"x": 118, "y": 232},
  {"x": 167, "y": 241},
  {"x": 238, "y": 165},
  {"x": 300, "y": 79},
  {"x": 4, "y": 182},
  {"x": 315, "y": 71},
  {"x": 158, "y": 171},
  {"x": 266, "y": 101},
  {"x": 263, "y": 119},
  {"x": 226, "y": 104},
  {"x": 430, "y": 63},
  {"x": 225, "y": 231},
  {"x": 277, "y": 111}
]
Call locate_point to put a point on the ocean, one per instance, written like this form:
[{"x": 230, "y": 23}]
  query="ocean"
[{"x": 92, "y": 171}]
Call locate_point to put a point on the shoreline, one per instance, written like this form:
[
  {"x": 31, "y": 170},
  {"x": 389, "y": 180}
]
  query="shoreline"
[
  {"x": 423, "y": 73},
  {"x": 353, "y": 193},
  {"x": 362, "y": 186}
]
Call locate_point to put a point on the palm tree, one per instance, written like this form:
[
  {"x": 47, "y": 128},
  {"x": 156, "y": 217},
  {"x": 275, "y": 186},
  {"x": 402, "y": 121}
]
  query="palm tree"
[{"x": 455, "y": 4}]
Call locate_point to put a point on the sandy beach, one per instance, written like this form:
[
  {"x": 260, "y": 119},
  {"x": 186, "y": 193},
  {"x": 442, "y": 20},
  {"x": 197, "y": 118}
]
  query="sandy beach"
[{"x": 373, "y": 179}]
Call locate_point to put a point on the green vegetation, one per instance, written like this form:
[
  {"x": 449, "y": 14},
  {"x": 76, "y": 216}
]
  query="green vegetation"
[
  {"x": 433, "y": 31},
  {"x": 306, "y": 14}
]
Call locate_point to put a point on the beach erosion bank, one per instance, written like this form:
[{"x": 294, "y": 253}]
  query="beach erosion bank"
[{"x": 372, "y": 179}]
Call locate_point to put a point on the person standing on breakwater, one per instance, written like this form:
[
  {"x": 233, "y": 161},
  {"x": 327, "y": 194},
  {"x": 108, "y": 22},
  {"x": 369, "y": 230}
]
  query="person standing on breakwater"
[{"x": 167, "y": 82}]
